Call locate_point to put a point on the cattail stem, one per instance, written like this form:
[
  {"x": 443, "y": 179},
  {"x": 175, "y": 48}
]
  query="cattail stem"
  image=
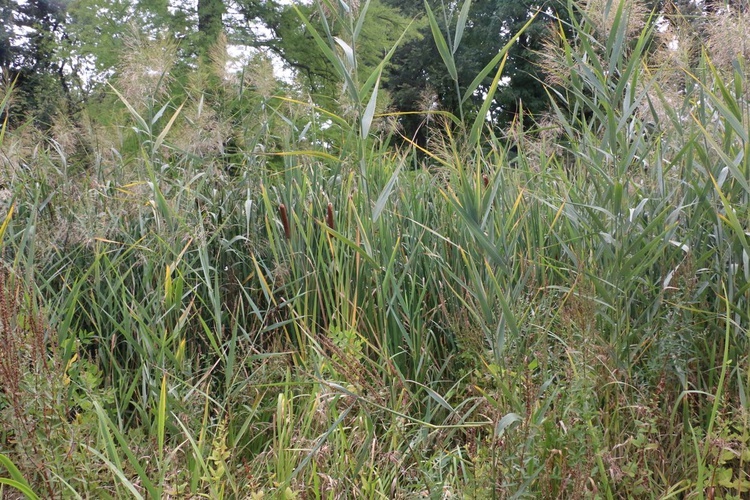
[{"x": 285, "y": 221}]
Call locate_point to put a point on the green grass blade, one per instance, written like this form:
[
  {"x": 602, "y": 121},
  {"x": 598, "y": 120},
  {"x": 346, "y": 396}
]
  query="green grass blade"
[
  {"x": 461, "y": 25},
  {"x": 369, "y": 112},
  {"x": 138, "y": 118},
  {"x": 330, "y": 55},
  {"x": 481, "y": 117},
  {"x": 161, "y": 416},
  {"x": 321, "y": 441},
  {"x": 348, "y": 52},
  {"x": 501, "y": 55},
  {"x": 442, "y": 46},
  {"x": 104, "y": 419},
  {"x": 360, "y": 20},
  {"x": 385, "y": 193},
  {"x": 160, "y": 139},
  {"x": 16, "y": 480},
  {"x": 6, "y": 222},
  {"x": 117, "y": 471},
  {"x": 23, "y": 488}
]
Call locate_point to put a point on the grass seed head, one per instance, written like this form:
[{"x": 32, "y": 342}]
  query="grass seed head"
[
  {"x": 728, "y": 38},
  {"x": 603, "y": 15},
  {"x": 146, "y": 67}
]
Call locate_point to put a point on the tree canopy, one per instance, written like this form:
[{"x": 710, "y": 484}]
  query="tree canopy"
[
  {"x": 63, "y": 50},
  {"x": 418, "y": 73}
]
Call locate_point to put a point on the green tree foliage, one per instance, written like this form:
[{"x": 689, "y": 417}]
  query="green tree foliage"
[
  {"x": 95, "y": 30},
  {"x": 384, "y": 25},
  {"x": 210, "y": 21},
  {"x": 418, "y": 72},
  {"x": 30, "y": 39},
  {"x": 6, "y": 33}
]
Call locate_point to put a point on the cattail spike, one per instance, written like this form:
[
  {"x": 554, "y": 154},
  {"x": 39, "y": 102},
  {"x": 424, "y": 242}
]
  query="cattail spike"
[{"x": 329, "y": 217}]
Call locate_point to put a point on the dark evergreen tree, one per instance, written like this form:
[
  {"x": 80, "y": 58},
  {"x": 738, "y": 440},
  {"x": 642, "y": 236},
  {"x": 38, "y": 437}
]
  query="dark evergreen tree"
[
  {"x": 210, "y": 23},
  {"x": 30, "y": 37},
  {"x": 6, "y": 33}
]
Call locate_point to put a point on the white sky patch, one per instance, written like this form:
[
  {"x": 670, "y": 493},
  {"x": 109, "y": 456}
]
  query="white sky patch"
[
  {"x": 240, "y": 55},
  {"x": 175, "y": 6}
]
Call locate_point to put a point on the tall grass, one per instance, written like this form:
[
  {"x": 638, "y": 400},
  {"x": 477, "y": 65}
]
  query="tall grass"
[{"x": 310, "y": 316}]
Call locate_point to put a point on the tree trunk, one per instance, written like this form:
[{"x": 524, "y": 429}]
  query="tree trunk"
[{"x": 209, "y": 22}]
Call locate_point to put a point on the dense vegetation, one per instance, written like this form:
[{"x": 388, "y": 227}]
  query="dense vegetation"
[{"x": 217, "y": 286}]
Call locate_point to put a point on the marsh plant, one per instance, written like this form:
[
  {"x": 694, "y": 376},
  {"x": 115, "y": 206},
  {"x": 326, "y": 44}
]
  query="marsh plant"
[{"x": 280, "y": 299}]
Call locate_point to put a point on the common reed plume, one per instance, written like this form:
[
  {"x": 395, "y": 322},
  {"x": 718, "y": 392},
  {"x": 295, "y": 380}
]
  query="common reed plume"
[
  {"x": 428, "y": 103},
  {"x": 600, "y": 15},
  {"x": 145, "y": 67},
  {"x": 259, "y": 75},
  {"x": 221, "y": 63},
  {"x": 677, "y": 49},
  {"x": 203, "y": 132},
  {"x": 552, "y": 60},
  {"x": 728, "y": 38},
  {"x": 603, "y": 13}
]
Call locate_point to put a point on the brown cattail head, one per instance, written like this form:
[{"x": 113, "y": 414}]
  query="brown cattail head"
[
  {"x": 285, "y": 221},
  {"x": 329, "y": 216}
]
